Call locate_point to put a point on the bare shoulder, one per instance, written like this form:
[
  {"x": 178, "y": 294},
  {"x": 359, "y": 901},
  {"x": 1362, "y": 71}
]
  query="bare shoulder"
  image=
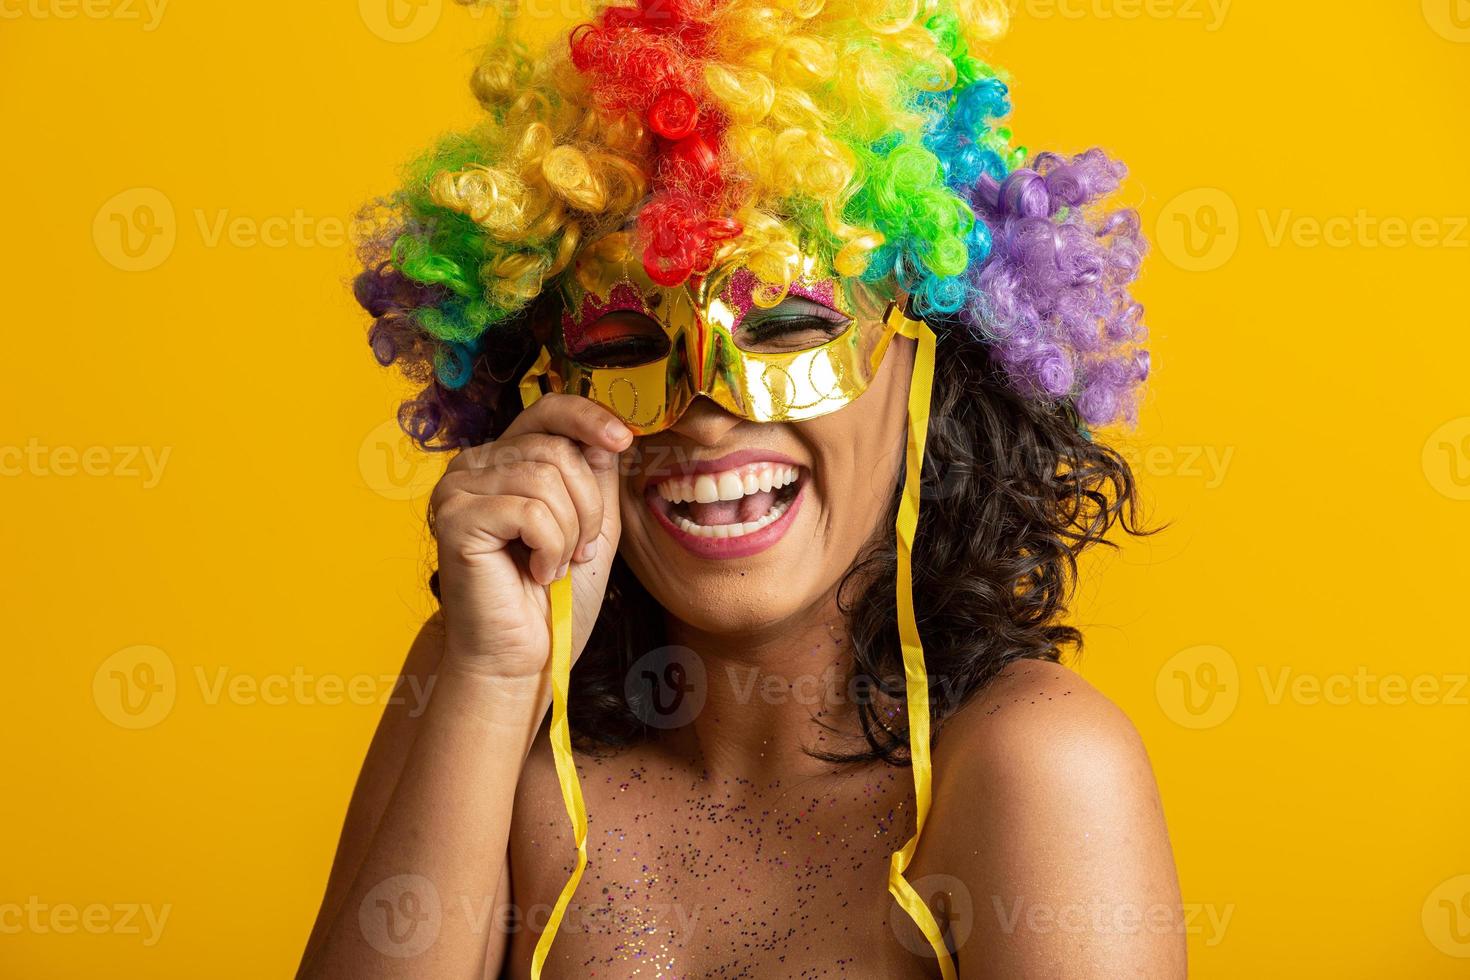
[
  {"x": 1047, "y": 814},
  {"x": 1044, "y": 715}
]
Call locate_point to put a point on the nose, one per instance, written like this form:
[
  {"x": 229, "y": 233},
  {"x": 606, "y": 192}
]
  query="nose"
[{"x": 704, "y": 422}]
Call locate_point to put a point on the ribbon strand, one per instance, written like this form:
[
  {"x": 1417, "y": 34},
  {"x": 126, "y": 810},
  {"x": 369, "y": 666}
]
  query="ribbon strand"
[
  {"x": 916, "y": 677},
  {"x": 560, "y": 625}
]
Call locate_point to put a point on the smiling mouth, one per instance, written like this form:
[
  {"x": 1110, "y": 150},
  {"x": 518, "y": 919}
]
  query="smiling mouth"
[{"x": 731, "y": 503}]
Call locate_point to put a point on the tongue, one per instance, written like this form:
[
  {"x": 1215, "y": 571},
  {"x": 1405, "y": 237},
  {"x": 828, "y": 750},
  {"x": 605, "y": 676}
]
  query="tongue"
[{"x": 751, "y": 507}]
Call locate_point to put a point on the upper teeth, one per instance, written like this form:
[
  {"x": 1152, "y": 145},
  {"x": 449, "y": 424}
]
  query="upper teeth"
[{"x": 706, "y": 488}]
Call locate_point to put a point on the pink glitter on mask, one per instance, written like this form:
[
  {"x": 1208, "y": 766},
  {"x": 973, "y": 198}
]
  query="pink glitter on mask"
[
  {"x": 739, "y": 292},
  {"x": 624, "y": 296}
]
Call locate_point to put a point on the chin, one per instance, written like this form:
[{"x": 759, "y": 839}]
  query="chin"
[
  {"x": 715, "y": 604},
  {"x": 725, "y": 593}
]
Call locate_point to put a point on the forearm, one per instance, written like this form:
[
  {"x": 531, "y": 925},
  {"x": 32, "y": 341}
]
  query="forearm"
[{"x": 446, "y": 827}]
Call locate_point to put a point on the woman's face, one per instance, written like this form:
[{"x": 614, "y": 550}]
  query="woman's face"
[{"x": 734, "y": 525}]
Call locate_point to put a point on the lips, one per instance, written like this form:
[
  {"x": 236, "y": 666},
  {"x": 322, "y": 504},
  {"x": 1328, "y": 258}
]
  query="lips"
[{"x": 731, "y": 507}]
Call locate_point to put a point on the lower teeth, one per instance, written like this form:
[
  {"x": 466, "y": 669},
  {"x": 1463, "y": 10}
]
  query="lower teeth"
[{"x": 730, "y": 530}]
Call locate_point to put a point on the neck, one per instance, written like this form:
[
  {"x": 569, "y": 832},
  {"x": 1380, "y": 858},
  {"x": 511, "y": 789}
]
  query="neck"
[{"x": 772, "y": 694}]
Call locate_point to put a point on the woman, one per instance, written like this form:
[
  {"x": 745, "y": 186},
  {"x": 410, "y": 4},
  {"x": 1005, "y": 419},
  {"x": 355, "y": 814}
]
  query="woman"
[{"x": 711, "y": 288}]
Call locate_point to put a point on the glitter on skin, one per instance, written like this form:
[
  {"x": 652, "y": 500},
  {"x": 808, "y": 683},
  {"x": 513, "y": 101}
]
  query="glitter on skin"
[{"x": 696, "y": 875}]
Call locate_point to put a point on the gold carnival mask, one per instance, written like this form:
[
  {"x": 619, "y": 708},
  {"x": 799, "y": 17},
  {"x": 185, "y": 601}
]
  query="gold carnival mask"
[{"x": 645, "y": 351}]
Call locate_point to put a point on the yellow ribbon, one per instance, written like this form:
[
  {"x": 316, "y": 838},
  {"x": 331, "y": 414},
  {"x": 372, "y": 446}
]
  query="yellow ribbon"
[
  {"x": 916, "y": 677},
  {"x": 915, "y": 674},
  {"x": 560, "y": 593}
]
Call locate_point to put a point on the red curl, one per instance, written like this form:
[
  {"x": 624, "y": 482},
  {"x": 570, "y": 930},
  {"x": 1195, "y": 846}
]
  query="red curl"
[
  {"x": 673, "y": 114},
  {"x": 679, "y": 237},
  {"x": 692, "y": 165}
]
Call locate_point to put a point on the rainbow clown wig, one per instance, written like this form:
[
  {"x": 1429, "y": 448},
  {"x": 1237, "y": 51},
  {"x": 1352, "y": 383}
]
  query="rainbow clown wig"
[
  {"x": 690, "y": 134},
  {"x": 864, "y": 131}
]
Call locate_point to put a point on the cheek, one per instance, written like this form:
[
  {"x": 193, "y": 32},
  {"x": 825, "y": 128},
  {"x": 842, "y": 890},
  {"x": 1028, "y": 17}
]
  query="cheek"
[
  {"x": 859, "y": 454},
  {"x": 877, "y": 422}
]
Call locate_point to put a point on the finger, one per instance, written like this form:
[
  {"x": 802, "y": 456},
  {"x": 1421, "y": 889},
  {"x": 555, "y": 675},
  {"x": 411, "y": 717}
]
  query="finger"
[
  {"x": 470, "y": 525},
  {"x": 581, "y": 486},
  {"x": 515, "y": 473},
  {"x": 576, "y": 418}
]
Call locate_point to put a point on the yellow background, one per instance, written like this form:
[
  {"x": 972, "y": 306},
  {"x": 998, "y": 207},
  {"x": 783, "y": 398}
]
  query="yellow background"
[{"x": 1308, "y": 435}]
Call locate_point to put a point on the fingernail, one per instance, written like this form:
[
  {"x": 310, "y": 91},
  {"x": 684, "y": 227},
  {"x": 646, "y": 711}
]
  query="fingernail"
[
  {"x": 600, "y": 459},
  {"x": 618, "y": 432},
  {"x": 589, "y": 552},
  {"x": 562, "y": 571}
]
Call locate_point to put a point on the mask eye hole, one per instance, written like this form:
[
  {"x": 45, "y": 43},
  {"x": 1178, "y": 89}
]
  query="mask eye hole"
[
  {"x": 794, "y": 324},
  {"x": 622, "y": 338}
]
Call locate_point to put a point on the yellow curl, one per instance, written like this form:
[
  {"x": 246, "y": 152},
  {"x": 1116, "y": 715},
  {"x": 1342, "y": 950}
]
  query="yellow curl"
[
  {"x": 536, "y": 141},
  {"x": 626, "y": 181},
  {"x": 570, "y": 177},
  {"x": 853, "y": 258},
  {"x": 982, "y": 21},
  {"x": 603, "y": 262},
  {"x": 493, "y": 199},
  {"x": 502, "y": 74},
  {"x": 566, "y": 250},
  {"x": 515, "y": 278},
  {"x": 801, "y": 61},
  {"x": 888, "y": 16},
  {"x": 745, "y": 94},
  {"x": 920, "y": 46}
]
